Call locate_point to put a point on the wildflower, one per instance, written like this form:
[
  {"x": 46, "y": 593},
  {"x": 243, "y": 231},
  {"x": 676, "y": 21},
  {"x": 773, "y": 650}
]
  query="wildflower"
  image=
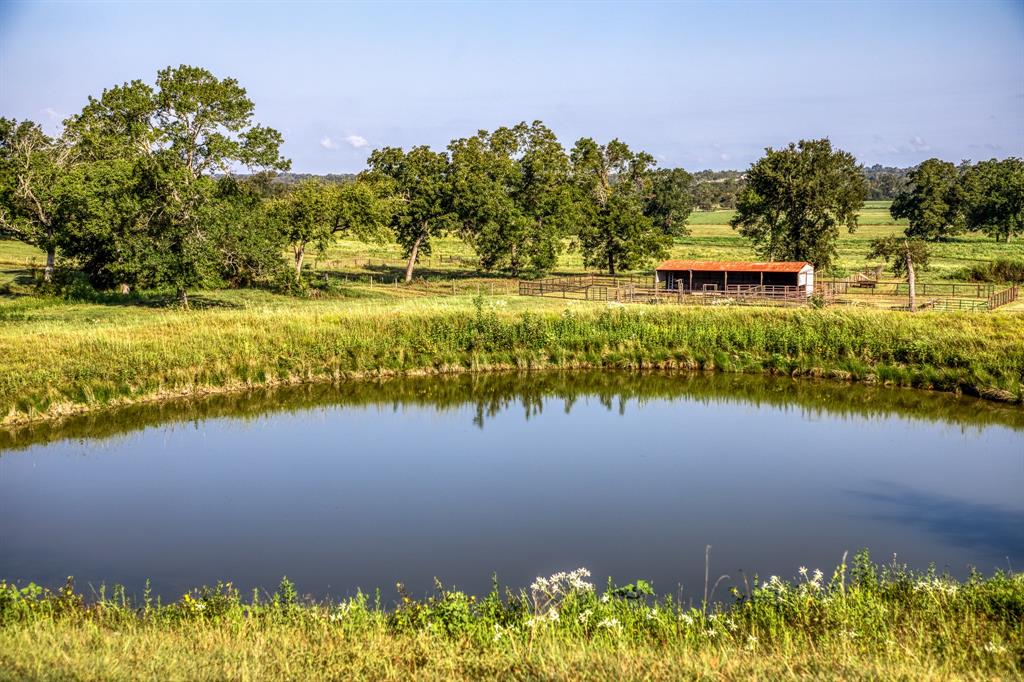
[
  {"x": 803, "y": 571},
  {"x": 994, "y": 647},
  {"x": 686, "y": 618},
  {"x": 553, "y": 615},
  {"x": 652, "y": 614},
  {"x": 605, "y": 598},
  {"x": 610, "y": 623},
  {"x": 818, "y": 575},
  {"x": 751, "y": 642}
]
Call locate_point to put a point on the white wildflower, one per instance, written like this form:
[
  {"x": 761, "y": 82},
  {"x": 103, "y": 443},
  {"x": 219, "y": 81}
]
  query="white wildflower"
[
  {"x": 652, "y": 614},
  {"x": 751, "y": 642},
  {"x": 803, "y": 571},
  {"x": 605, "y": 598},
  {"x": 610, "y": 623},
  {"x": 585, "y": 616},
  {"x": 686, "y": 618},
  {"x": 993, "y": 647}
]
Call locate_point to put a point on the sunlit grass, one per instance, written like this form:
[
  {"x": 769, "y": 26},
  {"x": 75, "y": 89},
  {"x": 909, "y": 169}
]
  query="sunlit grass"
[
  {"x": 57, "y": 358},
  {"x": 861, "y": 621}
]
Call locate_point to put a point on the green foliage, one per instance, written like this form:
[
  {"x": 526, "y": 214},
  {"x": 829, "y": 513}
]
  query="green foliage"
[
  {"x": 902, "y": 255},
  {"x": 637, "y": 590},
  {"x": 145, "y": 207},
  {"x": 670, "y": 201},
  {"x": 419, "y": 178},
  {"x": 932, "y": 200},
  {"x": 613, "y": 184},
  {"x": 994, "y": 198},
  {"x": 511, "y": 193},
  {"x": 32, "y": 165},
  {"x": 999, "y": 270},
  {"x": 797, "y": 198},
  {"x": 314, "y": 212}
]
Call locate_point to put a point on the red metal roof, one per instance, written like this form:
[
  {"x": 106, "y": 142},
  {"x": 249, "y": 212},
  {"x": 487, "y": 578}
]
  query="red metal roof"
[{"x": 732, "y": 266}]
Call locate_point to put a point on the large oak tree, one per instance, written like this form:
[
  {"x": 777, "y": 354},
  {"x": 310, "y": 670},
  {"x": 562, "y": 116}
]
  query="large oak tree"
[
  {"x": 796, "y": 199},
  {"x": 931, "y": 200},
  {"x": 613, "y": 184}
]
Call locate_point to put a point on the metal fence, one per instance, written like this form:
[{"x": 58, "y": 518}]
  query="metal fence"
[{"x": 623, "y": 290}]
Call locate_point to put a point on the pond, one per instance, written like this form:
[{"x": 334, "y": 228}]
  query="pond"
[{"x": 363, "y": 485}]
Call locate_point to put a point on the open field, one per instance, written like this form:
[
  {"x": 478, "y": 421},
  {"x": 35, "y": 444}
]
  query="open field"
[{"x": 862, "y": 622}]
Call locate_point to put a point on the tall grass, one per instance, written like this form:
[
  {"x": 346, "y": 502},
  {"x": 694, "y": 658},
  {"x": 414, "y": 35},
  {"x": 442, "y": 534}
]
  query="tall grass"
[
  {"x": 865, "y": 621},
  {"x": 48, "y": 369}
]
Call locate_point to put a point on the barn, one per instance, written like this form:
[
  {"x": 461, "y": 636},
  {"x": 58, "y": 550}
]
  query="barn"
[{"x": 735, "y": 276}]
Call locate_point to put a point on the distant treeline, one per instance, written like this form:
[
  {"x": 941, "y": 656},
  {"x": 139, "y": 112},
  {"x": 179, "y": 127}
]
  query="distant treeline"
[{"x": 142, "y": 189}]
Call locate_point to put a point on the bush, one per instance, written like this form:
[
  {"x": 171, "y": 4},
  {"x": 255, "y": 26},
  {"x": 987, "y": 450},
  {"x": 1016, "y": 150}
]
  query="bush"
[{"x": 1000, "y": 270}]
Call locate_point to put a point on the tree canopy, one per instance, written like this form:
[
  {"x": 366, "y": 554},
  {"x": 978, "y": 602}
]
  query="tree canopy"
[
  {"x": 423, "y": 209},
  {"x": 994, "y": 198},
  {"x": 931, "y": 200},
  {"x": 170, "y": 226},
  {"x": 613, "y": 185},
  {"x": 796, "y": 199}
]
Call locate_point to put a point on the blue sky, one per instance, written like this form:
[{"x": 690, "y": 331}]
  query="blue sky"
[{"x": 699, "y": 85}]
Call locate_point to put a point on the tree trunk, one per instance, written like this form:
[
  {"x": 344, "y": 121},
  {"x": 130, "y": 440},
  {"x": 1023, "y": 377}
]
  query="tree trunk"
[
  {"x": 51, "y": 256},
  {"x": 611, "y": 265},
  {"x": 183, "y": 297},
  {"x": 412, "y": 258},
  {"x": 300, "y": 253},
  {"x": 911, "y": 282}
]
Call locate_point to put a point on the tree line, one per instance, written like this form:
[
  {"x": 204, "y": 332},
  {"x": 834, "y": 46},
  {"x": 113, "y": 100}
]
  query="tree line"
[{"x": 175, "y": 185}]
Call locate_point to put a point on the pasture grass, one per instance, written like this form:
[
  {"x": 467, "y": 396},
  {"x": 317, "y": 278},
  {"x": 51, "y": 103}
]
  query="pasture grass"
[
  {"x": 865, "y": 621},
  {"x": 58, "y": 358}
]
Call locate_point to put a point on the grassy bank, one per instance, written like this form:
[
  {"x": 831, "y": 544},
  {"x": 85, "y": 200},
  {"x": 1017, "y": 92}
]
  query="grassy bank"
[
  {"x": 490, "y": 393},
  {"x": 53, "y": 362},
  {"x": 863, "y": 622}
]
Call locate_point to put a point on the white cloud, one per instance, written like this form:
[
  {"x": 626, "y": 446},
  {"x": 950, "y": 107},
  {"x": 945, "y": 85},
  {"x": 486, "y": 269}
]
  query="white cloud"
[
  {"x": 724, "y": 157},
  {"x": 328, "y": 143},
  {"x": 52, "y": 114},
  {"x": 356, "y": 141},
  {"x": 918, "y": 144}
]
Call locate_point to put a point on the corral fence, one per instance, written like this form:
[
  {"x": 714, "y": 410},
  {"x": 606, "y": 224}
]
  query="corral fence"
[
  {"x": 631, "y": 290},
  {"x": 947, "y": 297},
  {"x": 940, "y": 296},
  {"x": 998, "y": 298},
  {"x": 868, "y": 287}
]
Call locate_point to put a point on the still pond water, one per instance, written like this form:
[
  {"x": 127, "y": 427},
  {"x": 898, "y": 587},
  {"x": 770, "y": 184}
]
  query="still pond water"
[{"x": 630, "y": 475}]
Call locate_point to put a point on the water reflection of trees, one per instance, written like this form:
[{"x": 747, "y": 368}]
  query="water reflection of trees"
[{"x": 492, "y": 394}]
